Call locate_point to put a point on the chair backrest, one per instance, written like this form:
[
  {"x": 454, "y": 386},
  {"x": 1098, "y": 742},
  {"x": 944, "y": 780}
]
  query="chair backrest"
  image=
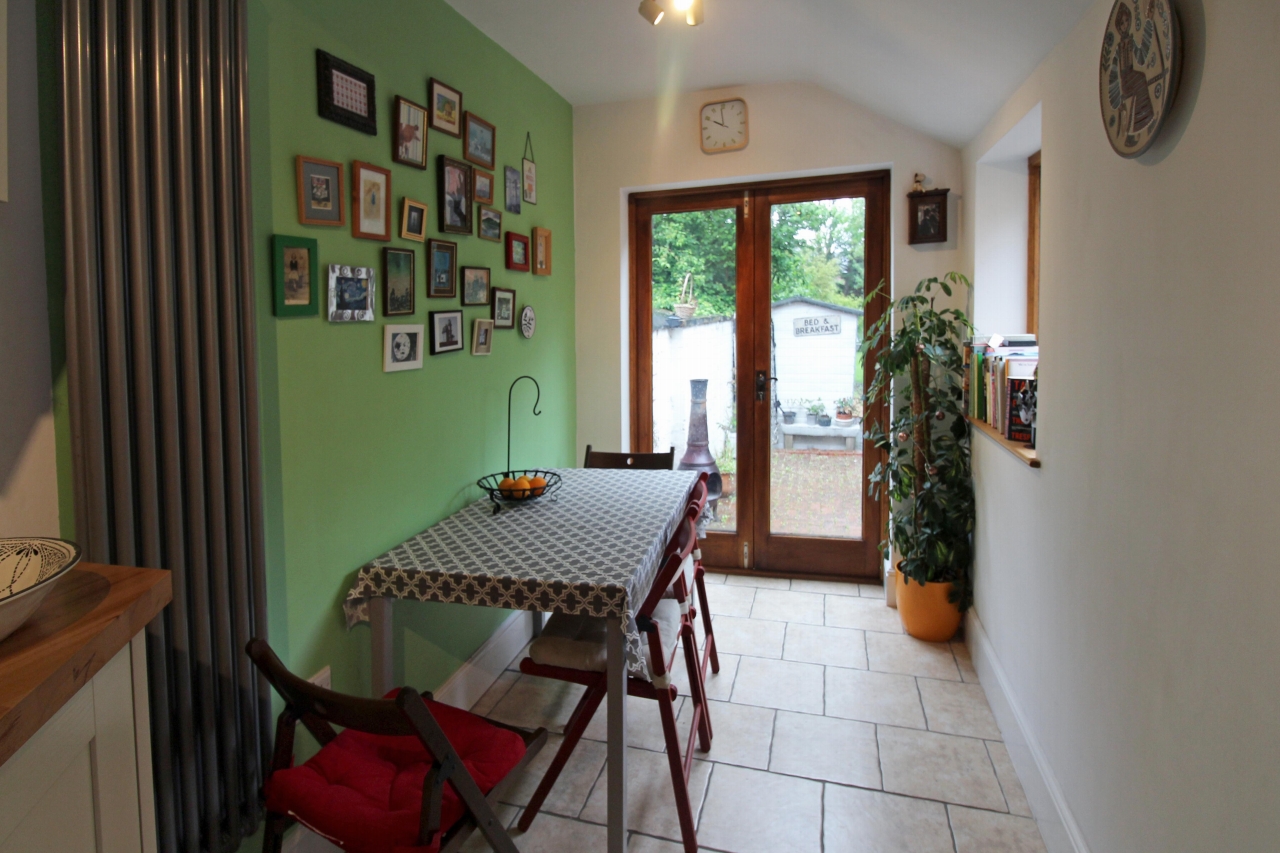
[
  {"x": 680, "y": 546},
  {"x": 699, "y": 493},
  {"x": 637, "y": 461}
]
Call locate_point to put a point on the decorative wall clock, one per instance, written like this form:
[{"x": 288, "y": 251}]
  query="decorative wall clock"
[
  {"x": 722, "y": 126},
  {"x": 1138, "y": 73},
  {"x": 528, "y": 321}
]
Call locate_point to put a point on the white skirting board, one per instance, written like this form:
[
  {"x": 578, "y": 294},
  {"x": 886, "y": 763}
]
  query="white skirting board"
[{"x": 1057, "y": 825}]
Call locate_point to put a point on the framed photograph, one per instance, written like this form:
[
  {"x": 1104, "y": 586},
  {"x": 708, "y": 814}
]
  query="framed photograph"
[
  {"x": 398, "y": 282},
  {"x": 475, "y": 285},
  {"x": 517, "y": 252},
  {"x": 479, "y": 140},
  {"x": 481, "y": 337},
  {"x": 504, "y": 308},
  {"x": 370, "y": 201},
  {"x": 346, "y": 94},
  {"x": 409, "y": 139},
  {"x": 446, "y": 331},
  {"x": 320, "y": 198},
  {"x": 483, "y": 186},
  {"x": 296, "y": 271},
  {"x": 490, "y": 224},
  {"x": 413, "y": 220},
  {"x": 455, "y": 196},
  {"x": 530, "y": 182},
  {"x": 402, "y": 348},
  {"x": 928, "y": 216},
  {"x": 511, "y": 188},
  {"x": 445, "y": 111},
  {"x": 442, "y": 262},
  {"x": 542, "y": 251},
  {"x": 351, "y": 291}
]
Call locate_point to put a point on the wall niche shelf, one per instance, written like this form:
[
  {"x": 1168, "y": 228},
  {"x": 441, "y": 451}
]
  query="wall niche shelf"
[{"x": 1026, "y": 454}]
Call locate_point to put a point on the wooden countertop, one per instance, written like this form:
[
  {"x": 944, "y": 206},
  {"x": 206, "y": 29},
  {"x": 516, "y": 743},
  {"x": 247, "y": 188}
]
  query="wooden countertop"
[{"x": 92, "y": 613}]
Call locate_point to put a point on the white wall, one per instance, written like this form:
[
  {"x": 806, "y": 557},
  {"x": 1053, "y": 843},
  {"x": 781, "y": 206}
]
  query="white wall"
[
  {"x": 796, "y": 128},
  {"x": 1130, "y": 588},
  {"x": 682, "y": 353}
]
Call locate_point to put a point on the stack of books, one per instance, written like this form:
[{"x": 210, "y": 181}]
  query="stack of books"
[{"x": 998, "y": 370}]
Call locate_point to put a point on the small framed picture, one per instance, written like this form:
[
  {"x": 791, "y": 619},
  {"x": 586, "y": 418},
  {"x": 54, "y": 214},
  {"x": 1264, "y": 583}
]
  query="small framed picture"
[
  {"x": 413, "y": 220},
  {"x": 346, "y": 94},
  {"x": 371, "y": 201},
  {"x": 517, "y": 252},
  {"x": 504, "y": 308},
  {"x": 455, "y": 196},
  {"x": 409, "y": 140},
  {"x": 351, "y": 291},
  {"x": 445, "y": 112},
  {"x": 542, "y": 251},
  {"x": 490, "y": 224},
  {"x": 480, "y": 141},
  {"x": 442, "y": 261},
  {"x": 481, "y": 337},
  {"x": 483, "y": 185},
  {"x": 928, "y": 212},
  {"x": 511, "y": 188},
  {"x": 402, "y": 348},
  {"x": 446, "y": 331},
  {"x": 530, "y": 182},
  {"x": 296, "y": 271},
  {"x": 320, "y": 198},
  {"x": 475, "y": 285},
  {"x": 398, "y": 282}
]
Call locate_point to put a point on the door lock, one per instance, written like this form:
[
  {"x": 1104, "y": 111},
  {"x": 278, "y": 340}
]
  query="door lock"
[{"x": 762, "y": 384}]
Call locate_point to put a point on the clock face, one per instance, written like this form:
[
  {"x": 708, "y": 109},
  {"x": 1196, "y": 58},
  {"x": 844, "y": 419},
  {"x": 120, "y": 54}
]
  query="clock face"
[
  {"x": 723, "y": 126},
  {"x": 528, "y": 321}
]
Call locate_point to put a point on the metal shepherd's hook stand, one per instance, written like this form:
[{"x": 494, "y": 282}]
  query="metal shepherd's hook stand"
[{"x": 510, "y": 391}]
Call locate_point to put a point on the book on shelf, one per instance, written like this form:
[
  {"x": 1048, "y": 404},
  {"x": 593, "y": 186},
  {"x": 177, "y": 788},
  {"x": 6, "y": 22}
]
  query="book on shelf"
[{"x": 997, "y": 369}]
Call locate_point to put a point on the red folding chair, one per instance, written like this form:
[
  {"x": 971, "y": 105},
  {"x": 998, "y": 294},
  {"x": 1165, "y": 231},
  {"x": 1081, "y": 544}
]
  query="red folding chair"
[{"x": 697, "y": 504}]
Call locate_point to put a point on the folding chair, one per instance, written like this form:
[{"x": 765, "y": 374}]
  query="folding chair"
[
  {"x": 635, "y": 461},
  {"x": 380, "y": 785},
  {"x": 698, "y": 503}
]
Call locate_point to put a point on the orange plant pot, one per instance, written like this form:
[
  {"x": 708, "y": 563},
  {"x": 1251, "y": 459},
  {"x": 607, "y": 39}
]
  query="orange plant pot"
[{"x": 926, "y": 613}]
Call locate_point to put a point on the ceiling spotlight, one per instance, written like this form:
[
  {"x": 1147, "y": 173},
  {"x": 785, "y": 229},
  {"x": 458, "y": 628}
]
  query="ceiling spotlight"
[
  {"x": 693, "y": 12},
  {"x": 682, "y": 5},
  {"x": 651, "y": 11}
]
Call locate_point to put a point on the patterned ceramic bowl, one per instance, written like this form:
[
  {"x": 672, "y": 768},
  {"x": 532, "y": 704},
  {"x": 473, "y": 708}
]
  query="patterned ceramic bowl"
[{"x": 28, "y": 569}]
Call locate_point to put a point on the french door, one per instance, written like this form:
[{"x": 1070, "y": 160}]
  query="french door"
[{"x": 749, "y": 304}]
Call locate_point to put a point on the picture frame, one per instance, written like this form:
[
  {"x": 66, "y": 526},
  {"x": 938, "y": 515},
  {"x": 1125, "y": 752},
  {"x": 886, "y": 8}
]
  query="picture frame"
[
  {"x": 517, "y": 252},
  {"x": 370, "y": 201},
  {"x": 541, "y": 239},
  {"x": 511, "y": 189},
  {"x": 444, "y": 111},
  {"x": 503, "y": 312},
  {"x": 346, "y": 94},
  {"x": 399, "y": 282},
  {"x": 409, "y": 133},
  {"x": 481, "y": 337},
  {"x": 321, "y": 197},
  {"x": 475, "y": 285},
  {"x": 446, "y": 331},
  {"x": 479, "y": 141},
  {"x": 442, "y": 269},
  {"x": 530, "y": 183},
  {"x": 295, "y": 274},
  {"x": 402, "y": 347},
  {"x": 413, "y": 220},
  {"x": 489, "y": 226},
  {"x": 927, "y": 216},
  {"x": 454, "y": 184},
  {"x": 351, "y": 294},
  {"x": 482, "y": 186}
]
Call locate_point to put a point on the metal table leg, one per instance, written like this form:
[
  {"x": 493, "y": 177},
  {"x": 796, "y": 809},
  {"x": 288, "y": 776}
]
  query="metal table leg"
[
  {"x": 380, "y": 621},
  {"x": 617, "y": 752}
]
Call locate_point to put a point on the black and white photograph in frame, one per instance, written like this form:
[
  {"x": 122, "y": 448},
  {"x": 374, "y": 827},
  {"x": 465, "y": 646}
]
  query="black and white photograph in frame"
[
  {"x": 504, "y": 308},
  {"x": 351, "y": 294},
  {"x": 481, "y": 337},
  {"x": 511, "y": 188},
  {"x": 446, "y": 331},
  {"x": 402, "y": 348}
]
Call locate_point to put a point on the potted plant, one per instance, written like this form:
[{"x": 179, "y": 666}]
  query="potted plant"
[
  {"x": 926, "y": 465},
  {"x": 789, "y": 409},
  {"x": 846, "y": 411},
  {"x": 823, "y": 418},
  {"x": 814, "y": 409}
]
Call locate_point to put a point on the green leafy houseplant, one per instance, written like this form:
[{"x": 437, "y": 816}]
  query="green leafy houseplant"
[{"x": 926, "y": 468}]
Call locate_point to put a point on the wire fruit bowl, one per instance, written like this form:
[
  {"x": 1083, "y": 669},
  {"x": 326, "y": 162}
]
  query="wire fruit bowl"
[{"x": 513, "y": 497}]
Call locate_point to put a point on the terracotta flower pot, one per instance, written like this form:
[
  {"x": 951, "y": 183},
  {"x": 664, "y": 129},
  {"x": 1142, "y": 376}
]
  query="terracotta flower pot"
[
  {"x": 727, "y": 485},
  {"x": 926, "y": 613}
]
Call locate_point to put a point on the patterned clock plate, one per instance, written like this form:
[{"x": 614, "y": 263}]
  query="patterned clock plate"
[{"x": 29, "y": 562}]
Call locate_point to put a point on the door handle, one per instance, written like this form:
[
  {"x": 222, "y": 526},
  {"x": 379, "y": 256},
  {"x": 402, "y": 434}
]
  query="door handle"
[{"x": 762, "y": 384}]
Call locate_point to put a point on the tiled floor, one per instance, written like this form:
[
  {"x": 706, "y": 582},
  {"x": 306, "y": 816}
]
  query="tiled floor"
[{"x": 835, "y": 732}]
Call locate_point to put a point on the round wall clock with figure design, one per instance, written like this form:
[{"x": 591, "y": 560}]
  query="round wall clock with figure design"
[
  {"x": 1138, "y": 74},
  {"x": 528, "y": 321}
]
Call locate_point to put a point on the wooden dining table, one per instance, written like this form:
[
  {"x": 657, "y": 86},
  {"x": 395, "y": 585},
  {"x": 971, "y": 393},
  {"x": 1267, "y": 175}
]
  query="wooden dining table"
[{"x": 593, "y": 546}]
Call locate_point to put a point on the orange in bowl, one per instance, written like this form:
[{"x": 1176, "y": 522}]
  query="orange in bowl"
[
  {"x": 521, "y": 490},
  {"x": 506, "y": 487},
  {"x": 538, "y": 485}
]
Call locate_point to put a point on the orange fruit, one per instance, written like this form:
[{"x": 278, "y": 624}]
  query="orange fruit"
[
  {"x": 506, "y": 487},
  {"x": 538, "y": 484},
  {"x": 521, "y": 491}
]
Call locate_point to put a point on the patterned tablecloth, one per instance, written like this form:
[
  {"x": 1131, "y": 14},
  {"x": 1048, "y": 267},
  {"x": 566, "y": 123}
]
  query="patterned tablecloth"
[{"x": 593, "y": 547}]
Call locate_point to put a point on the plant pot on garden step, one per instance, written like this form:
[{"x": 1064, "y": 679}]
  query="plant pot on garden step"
[{"x": 926, "y": 612}]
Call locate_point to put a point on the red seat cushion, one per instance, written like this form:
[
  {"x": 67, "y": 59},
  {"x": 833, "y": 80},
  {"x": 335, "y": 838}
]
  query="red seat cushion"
[{"x": 364, "y": 791}]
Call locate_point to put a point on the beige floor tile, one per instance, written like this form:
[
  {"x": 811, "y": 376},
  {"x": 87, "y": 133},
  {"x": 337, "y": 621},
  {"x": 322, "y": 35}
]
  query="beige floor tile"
[
  {"x": 909, "y": 656},
  {"x": 741, "y": 734},
  {"x": 871, "y": 590},
  {"x": 873, "y": 697},
  {"x": 714, "y": 577},
  {"x": 826, "y": 587},
  {"x": 477, "y": 843},
  {"x": 957, "y": 709},
  {"x": 551, "y": 834},
  {"x": 496, "y": 691},
  {"x": 780, "y": 684},
  {"x": 532, "y": 702},
  {"x": 939, "y": 767},
  {"x": 843, "y": 611},
  {"x": 514, "y": 666},
  {"x": 648, "y": 844},
  {"x": 1009, "y": 782},
  {"x": 749, "y": 636},
  {"x": 965, "y": 662},
  {"x": 731, "y": 600},
  {"x": 719, "y": 684},
  {"x": 986, "y": 832},
  {"x": 826, "y": 748},
  {"x": 574, "y": 785},
  {"x": 781, "y": 605},
  {"x": 758, "y": 581},
  {"x": 858, "y": 821},
  {"x": 749, "y": 811},
  {"x": 651, "y": 804},
  {"x": 830, "y": 646},
  {"x": 644, "y": 723}
]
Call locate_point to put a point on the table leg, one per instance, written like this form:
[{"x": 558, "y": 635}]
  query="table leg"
[
  {"x": 380, "y": 621},
  {"x": 537, "y": 624},
  {"x": 617, "y": 750}
]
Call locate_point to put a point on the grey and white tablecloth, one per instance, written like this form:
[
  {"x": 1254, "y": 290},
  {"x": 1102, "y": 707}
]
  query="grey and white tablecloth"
[{"x": 592, "y": 547}]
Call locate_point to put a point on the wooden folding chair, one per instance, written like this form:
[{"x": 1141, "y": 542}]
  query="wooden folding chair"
[
  {"x": 697, "y": 504},
  {"x": 634, "y": 461}
]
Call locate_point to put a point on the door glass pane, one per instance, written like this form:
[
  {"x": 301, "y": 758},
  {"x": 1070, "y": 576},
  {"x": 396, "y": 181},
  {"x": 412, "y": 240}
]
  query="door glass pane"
[
  {"x": 815, "y": 481},
  {"x": 695, "y": 400}
]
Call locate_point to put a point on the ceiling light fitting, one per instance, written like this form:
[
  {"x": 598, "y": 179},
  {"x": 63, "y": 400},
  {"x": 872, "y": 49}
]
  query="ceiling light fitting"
[
  {"x": 651, "y": 11},
  {"x": 693, "y": 14}
]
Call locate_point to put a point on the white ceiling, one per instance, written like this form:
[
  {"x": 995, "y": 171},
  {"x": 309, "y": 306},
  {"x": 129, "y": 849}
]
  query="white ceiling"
[{"x": 940, "y": 66}]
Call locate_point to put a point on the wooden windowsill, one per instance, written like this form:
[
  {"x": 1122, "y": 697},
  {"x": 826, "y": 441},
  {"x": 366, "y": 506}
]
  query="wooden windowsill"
[{"x": 1017, "y": 448}]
